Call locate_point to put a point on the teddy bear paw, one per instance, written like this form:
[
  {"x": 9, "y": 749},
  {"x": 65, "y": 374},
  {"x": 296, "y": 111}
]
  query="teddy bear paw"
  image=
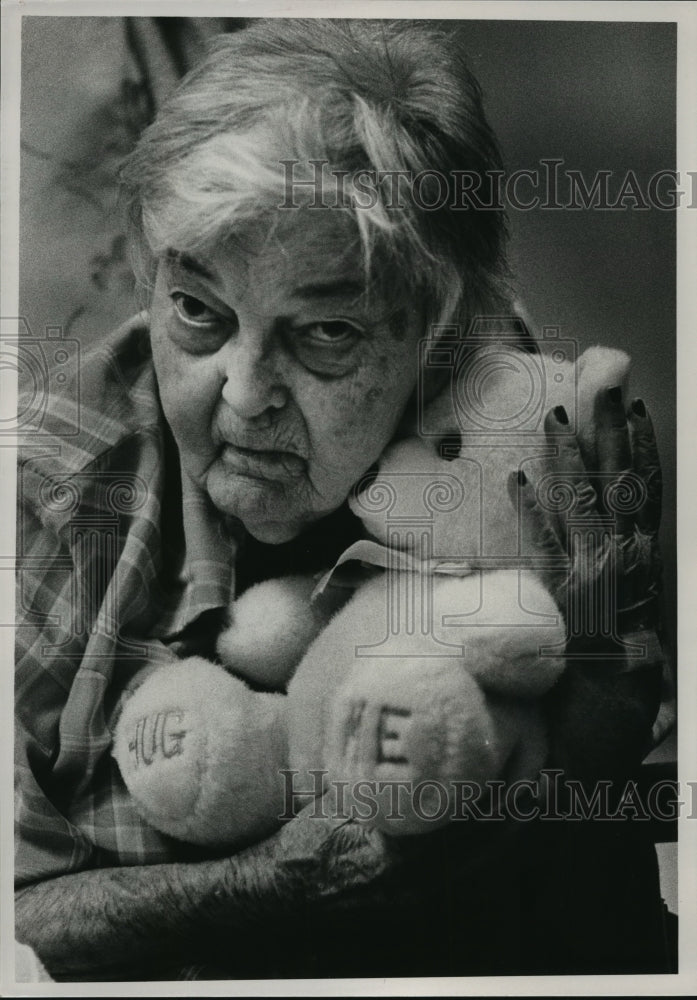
[{"x": 401, "y": 735}]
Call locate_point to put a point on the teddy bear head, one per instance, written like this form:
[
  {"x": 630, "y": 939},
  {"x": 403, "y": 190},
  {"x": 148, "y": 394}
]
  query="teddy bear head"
[{"x": 448, "y": 491}]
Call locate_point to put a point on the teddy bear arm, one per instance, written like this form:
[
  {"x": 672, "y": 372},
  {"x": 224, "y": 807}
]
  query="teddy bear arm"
[
  {"x": 271, "y": 626},
  {"x": 407, "y": 741},
  {"x": 202, "y": 755}
]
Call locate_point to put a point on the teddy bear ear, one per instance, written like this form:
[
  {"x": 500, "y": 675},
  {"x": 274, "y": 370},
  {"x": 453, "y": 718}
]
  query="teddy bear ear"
[
  {"x": 444, "y": 434},
  {"x": 597, "y": 369}
]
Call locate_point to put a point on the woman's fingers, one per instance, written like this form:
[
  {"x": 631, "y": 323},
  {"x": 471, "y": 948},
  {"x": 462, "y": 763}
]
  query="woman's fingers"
[
  {"x": 613, "y": 445},
  {"x": 569, "y": 479},
  {"x": 615, "y": 464},
  {"x": 647, "y": 465},
  {"x": 327, "y": 852},
  {"x": 537, "y": 536}
]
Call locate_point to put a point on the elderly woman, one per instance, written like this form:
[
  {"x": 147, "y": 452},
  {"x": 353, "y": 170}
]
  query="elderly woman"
[{"x": 290, "y": 275}]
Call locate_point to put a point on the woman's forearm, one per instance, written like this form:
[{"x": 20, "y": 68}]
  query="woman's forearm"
[
  {"x": 129, "y": 922},
  {"x": 115, "y": 921}
]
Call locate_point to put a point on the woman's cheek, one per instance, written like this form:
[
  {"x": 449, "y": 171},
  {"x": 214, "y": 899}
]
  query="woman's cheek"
[
  {"x": 384, "y": 388},
  {"x": 189, "y": 389},
  {"x": 364, "y": 414}
]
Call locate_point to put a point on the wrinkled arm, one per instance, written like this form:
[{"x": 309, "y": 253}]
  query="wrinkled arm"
[
  {"x": 108, "y": 921},
  {"x": 124, "y": 922}
]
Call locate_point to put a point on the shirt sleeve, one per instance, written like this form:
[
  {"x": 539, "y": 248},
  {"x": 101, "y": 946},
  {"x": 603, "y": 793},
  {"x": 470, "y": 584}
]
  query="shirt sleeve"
[{"x": 72, "y": 810}]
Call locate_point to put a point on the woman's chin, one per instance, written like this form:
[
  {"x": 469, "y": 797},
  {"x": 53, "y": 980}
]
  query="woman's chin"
[
  {"x": 264, "y": 507},
  {"x": 273, "y": 533}
]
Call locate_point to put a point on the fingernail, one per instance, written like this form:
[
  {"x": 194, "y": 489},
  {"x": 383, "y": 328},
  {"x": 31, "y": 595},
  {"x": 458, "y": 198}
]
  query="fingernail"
[
  {"x": 638, "y": 407},
  {"x": 614, "y": 394},
  {"x": 561, "y": 415},
  {"x": 522, "y": 478}
]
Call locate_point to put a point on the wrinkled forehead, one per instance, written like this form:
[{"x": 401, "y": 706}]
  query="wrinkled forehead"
[
  {"x": 285, "y": 250},
  {"x": 304, "y": 243}
]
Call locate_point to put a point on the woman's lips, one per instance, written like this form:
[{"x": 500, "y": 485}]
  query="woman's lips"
[{"x": 260, "y": 464}]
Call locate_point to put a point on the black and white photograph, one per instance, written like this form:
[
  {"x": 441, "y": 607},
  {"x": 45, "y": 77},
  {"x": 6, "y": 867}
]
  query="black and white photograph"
[{"x": 347, "y": 374}]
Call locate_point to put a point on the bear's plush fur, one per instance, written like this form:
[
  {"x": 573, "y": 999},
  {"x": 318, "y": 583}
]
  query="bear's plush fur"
[{"x": 431, "y": 674}]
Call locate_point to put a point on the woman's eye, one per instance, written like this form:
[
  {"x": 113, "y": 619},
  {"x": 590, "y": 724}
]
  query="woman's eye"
[
  {"x": 328, "y": 347},
  {"x": 331, "y": 332},
  {"x": 192, "y": 311}
]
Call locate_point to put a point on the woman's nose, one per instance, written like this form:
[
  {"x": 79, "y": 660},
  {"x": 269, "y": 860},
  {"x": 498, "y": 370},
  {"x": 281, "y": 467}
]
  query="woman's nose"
[{"x": 253, "y": 382}]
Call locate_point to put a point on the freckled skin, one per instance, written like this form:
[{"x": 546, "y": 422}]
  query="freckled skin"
[{"x": 268, "y": 374}]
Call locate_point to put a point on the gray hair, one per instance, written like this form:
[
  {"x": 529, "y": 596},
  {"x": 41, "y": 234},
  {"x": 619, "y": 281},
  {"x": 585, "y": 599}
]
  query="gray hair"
[{"x": 359, "y": 96}]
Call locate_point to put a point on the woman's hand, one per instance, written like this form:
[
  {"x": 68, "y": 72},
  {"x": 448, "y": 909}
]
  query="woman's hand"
[
  {"x": 326, "y": 853},
  {"x": 626, "y": 489},
  {"x": 596, "y": 518}
]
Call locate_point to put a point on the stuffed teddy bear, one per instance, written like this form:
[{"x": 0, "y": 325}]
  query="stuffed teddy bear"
[{"x": 426, "y": 680}]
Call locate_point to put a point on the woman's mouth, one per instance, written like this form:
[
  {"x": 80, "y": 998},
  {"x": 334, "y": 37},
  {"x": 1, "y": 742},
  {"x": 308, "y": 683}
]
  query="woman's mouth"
[{"x": 263, "y": 464}]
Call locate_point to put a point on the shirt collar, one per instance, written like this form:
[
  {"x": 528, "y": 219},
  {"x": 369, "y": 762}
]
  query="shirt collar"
[{"x": 206, "y": 578}]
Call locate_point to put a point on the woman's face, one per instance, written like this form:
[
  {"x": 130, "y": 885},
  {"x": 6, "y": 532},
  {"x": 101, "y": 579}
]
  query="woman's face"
[{"x": 281, "y": 377}]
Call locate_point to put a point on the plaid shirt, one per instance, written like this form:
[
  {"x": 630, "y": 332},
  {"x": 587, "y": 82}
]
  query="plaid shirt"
[
  {"x": 113, "y": 564},
  {"x": 119, "y": 557}
]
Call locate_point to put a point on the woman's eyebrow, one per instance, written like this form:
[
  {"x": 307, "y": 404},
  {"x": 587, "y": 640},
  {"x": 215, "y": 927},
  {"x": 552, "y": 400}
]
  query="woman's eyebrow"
[
  {"x": 328, "y": 289},
  {"x": 188, "y": 263}
]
